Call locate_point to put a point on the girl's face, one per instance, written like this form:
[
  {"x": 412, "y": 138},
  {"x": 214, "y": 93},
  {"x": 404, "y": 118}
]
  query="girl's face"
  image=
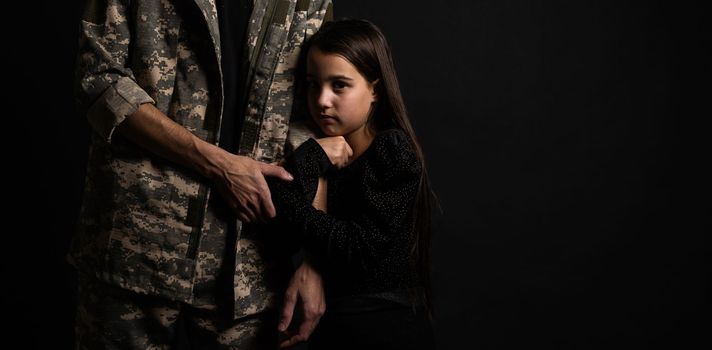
[{"x": 339, "y": 97}]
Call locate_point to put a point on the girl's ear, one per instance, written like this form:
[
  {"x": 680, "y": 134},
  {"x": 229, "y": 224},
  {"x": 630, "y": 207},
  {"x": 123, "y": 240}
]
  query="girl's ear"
[{"x": 374, "y": 91}]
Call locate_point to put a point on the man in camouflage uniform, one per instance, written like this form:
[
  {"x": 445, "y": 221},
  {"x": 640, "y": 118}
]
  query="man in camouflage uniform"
[{"x": 151, "y": 243}]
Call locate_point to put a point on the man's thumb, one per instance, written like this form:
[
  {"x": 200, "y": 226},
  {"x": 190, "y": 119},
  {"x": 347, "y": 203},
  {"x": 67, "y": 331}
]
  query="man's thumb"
[{"x": 275, "y": 171}]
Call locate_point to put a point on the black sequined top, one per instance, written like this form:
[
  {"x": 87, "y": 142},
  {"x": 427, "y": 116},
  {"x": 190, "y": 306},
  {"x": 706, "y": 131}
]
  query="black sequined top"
[{"x": 363, "y": 243}]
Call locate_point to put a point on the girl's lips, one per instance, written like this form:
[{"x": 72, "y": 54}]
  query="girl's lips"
[{"x": 327, "y": 118}]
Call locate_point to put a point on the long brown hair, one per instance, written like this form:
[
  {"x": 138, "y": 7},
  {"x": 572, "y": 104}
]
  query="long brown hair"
[{"x": 362, "y": 44}]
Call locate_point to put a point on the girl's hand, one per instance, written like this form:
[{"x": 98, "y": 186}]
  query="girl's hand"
[{"x": 336, "y": 148}]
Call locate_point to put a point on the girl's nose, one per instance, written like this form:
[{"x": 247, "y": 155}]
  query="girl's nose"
[{"x": 325, "y": 99}]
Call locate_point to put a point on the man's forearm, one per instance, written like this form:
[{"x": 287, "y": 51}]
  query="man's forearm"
[{"x": 149, "y": 128}]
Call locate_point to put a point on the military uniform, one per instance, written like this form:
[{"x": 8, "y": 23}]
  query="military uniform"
[{"x": 147, "y": 225}]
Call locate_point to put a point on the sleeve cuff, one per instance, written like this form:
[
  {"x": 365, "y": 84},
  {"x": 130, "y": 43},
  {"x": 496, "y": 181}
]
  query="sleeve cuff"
[
  {"x": 310, "y": 158},
  {"x": 299, "y": 131},
  {"x": 111, "y": 108}
]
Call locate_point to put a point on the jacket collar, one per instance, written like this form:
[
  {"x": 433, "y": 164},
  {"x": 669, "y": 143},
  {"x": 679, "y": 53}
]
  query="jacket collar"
[{"x": 210, "y": 14}]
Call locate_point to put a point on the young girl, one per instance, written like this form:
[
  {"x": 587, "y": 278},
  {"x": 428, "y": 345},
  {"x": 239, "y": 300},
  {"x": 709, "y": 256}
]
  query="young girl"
[{"x": 360, "y": 200}]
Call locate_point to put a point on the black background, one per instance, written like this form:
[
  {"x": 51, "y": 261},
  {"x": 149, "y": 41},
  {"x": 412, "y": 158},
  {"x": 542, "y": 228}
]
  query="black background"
[{"x": 562, "y": 142}]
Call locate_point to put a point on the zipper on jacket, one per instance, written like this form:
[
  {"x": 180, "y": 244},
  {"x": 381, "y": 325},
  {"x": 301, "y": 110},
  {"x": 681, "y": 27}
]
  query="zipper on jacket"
[
  {"x": 264, "y": 27},
  {"x": 198, "y": 205},
  {"x": 196, "y": 214}
]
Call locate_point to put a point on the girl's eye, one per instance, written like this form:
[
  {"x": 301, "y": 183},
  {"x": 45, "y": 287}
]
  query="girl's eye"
[{"x": 338, "y": 85}]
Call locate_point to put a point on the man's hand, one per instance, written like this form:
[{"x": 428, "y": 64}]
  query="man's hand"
[
  {"x": 242, "y": 183},
  {"x": 337, "y": 149},
  {"x": 306, "y": 285},
  {"x": 240, "y": 180}
]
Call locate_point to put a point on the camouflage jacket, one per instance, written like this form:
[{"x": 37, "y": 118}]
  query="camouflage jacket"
[{"x": 146, "y": 224}]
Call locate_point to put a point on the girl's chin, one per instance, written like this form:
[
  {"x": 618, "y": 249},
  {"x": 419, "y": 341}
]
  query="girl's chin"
[{"x": 329, "y": 131}]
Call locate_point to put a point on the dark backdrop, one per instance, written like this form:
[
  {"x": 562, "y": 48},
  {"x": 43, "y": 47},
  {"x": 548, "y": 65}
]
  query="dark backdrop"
[{"x": 558, "y": 136}]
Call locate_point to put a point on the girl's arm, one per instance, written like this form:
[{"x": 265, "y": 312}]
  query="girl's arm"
[
  {"x": 310, "y": 162},
  {"x": 320, "y": 197},
  {"x": 383, "y": 223}
]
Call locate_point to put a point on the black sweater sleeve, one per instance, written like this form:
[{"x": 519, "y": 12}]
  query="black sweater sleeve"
[
  {"x": 307, "y": 163},
  {"x": 391, "y": 175}
]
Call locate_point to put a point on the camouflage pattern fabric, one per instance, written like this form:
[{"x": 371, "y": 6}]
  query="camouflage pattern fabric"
[
  {"x": 146, "y": 224},
  {"x": 270, "y": 105},
  {"x": 109, "y": 317}
]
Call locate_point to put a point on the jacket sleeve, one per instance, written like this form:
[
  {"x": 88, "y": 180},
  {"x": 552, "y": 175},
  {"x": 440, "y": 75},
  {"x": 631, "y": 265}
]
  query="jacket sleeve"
[
  {"x": 390, "y": 185},
  {"x": 106, "y": 89}
]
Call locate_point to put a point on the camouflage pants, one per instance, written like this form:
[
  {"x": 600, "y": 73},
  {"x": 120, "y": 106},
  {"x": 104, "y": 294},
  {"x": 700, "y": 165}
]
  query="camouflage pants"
[{"x": 110, "y": 317}]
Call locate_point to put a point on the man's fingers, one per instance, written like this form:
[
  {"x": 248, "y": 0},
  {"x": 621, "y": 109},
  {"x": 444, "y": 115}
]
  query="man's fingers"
[
  {"x": 266, "y": 200},
  {"x": 245, "y": 213},
  {"x": 255, "y": 203},
  {"x": 243, "y": 217},
  {"x": 307, "y": 326},
  {"x": 303, "y": 334},
  {"x": 290, "y": 301},
  {"x": 291, "y": 341},
  {"x": 275, "y": 171}
]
